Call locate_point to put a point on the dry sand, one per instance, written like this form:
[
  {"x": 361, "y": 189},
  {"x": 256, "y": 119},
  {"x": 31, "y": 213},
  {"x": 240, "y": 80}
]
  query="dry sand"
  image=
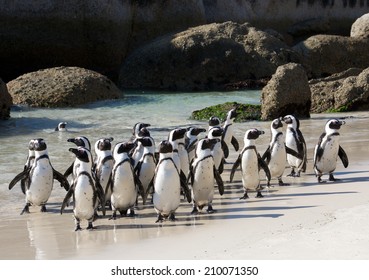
[{"x": 303, "y": 221}]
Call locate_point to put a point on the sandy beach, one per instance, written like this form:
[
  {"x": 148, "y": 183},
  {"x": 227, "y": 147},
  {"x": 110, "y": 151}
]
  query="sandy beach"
[{"x": 302, "y": 221}]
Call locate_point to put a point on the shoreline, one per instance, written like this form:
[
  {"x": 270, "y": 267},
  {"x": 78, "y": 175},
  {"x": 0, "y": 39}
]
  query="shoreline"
[{"x": 303, "y": 221}]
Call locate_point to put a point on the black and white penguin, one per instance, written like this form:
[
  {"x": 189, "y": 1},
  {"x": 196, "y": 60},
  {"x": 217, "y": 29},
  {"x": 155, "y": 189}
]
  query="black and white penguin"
[
  {"x": 213, "y": 121},
  {"x": 296, "y": 142},
  {"x": 84, "y": 191},
  {"x": 167, "y": 184},
  {"x": 136, "y": 129},
  {"x": 104, "y": 163},
  {"x": 203, "y": 174},
  {"x": 176, "y": 136},
  {"x": 275, "y": 155},
  {"x": 192, "y": 137},
  {"x": 124, "y": 184},
  {"x": 228, "y": 136},
  {"x": 28, "y": 164},
  {"x": 80, "y": 141},
  {"x": 251, "y": 162},
  {"x": 328, "y": 149},
  {"x": 138, "y": 150},
  {"x": 220, "y": 149},
  {"x": 145, "y": 169},
  {"x": 62, "y": 126},
  {"x": 39, "y": 177}
]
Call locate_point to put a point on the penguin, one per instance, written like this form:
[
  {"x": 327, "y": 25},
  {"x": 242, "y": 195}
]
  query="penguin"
[
  {"x": 39, "y": 177},
  {"x": 136, "y": 129},
  {"x": 295, "y": 141},
  {"x": 275, "y": 155},
  {"x": 228, "y": 136},
  {"x": 104, "y": 165},
  {"x": 191, "y": 139},
  {"x": 183, "y": 154},
  {"x": 167, "y": 184},
  {"x": 203, "y": 174},
  {"x": 124, "y": 184},
  {"x": 213, "y": 121},
  {"x": 80, "y": 141},
  {"x": 62, "y": 126},
  {"x": 175, "y": 137},
  {"x": 84, "y": 191},
  {"x": 220, "y": 149},
  {"x": 28, "y": 164},
  {"x": 327, "y": 150},
  {"x": 145, "y": 169},
  {"x": 251, "y": 163},
  {"x": 138, "y": 149}
]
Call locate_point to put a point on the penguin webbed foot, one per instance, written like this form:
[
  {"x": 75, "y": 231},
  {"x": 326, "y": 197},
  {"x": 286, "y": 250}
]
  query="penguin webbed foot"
[
  {"x": 25, "y": 209},
  {"x": 43, "y": 208},
  {"x": 281, "y": 183},
  {"x": 131, "y": 213},
  {"x": 78, "y": 227},
  {"x": 293, "y": 173},
  {"x": 259, "y": 195},
  {"x": 210, "y": 209},
  {"x": 90, "y": 226},
  {"x": 113, "y": 216},
  {"x": 194, "y": 211},
  {"x": 245, "y": 196},
  {"x": 172, "y": 217},
  {"x": 332, "y": 179},
  {"x": 160, "y": 219}
]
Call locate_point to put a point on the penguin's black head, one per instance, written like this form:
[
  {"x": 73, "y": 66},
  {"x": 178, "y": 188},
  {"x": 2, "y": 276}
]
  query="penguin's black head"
[
  {"x": 177, "y": 134},
  {"x": 31, "y": 145},
  {"x": 214, "y": 121},
  {"x": 125, "y": 147},
  {"x": 216, "y": 131},
  {"x": 290, "y": 119},
  {"x": 277, "y": 123},
  {"x": 81, "y": 141},
  {"x": 39, "y": 144},
  {"x": 335, "y": 124},
  {"x": 165, "y": 147},
  {"x": 253, "y": 133},
  {"x": 61, "y": 126},
  {"x": 208, "y": 143},
  {"x": 144, "y": 132},
  {"x": 81, "y": 153},
  {"x": 105, "y": 144},
  {"x": 232, "y": 114},
  {"x": 137, "y": 127},
  {"x": 145, "y": 141},
  {"x": 194, "y": 131}
]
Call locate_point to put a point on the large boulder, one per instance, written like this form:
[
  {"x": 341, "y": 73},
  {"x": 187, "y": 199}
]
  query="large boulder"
[
  {"x": 62, "y": 87},
  {"x": 324, "y": 55},
  {"x": 360, "y": 28},
  {"x": 287, "y": 92},
  {"x": 206, "y": 57},
  {"x": 5, "y": 101},
  {"x": 346, "y": 91}
]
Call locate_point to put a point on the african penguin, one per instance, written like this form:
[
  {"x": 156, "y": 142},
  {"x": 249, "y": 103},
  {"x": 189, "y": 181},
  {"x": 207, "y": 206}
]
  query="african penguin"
[
  {"x": 203, "y": 173},
  {"x": 84, "y": 191},
  {"x": 328, "y": 149},
  {"x": 228, "y": 136},
  {"x": 250, "y": 162},
  {"x": 192, "y": 135},
  {"x": 295, "y": 141},
  {"x": 220, "y": 149},
  {"x": 39, "y": 177},
  {"x": 62, "y": 126}
]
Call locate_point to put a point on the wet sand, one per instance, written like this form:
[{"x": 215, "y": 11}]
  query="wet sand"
[{"x": 302, "y": 221}]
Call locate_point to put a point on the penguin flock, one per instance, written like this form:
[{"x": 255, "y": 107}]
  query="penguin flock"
[{"x": 185, "y": 166}]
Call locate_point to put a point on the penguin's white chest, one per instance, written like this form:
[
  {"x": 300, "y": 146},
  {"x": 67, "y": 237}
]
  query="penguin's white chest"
[
  {"x": 217, "y": 154},
  {"x": 278, "y": 159},
  {"x": 203, "y": 183},
  {"x": 147, "y": 171},
  {"x": 291, "y": 142},
  {"x": 328, "y": 161},
  {"x": 166, "y": 197},
  {"x": 124, "y": 192},
  {"x": 250, "y": 170},
  {"x": 41, "y": 183},
  {"x": 83, "y": 198}
]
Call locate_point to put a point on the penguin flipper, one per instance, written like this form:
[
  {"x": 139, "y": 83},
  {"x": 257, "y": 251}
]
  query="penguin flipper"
[
  {"x": 67, "y": 198},
  {"x": 191, "y": 146},
  {"x": 234, "y": 167},
  {"x": 140, "y": 187},
  {"x": 318, "y": 149},
  {"x": 69, "y": 171},
  {"x": 225, "y": 149},
  {"x": 21, "y": 176},
  {"x": 264, "y": 166},
  {"x": 184, "y": 186},
  {"x": 60, "y": 177},
  {"x": 235, "y": 143},
  {"x": 267, "y": 155},
  {"x": 343, "y": 156},
  {"x": 219, "y": 181},
  {"x": 294, "y": 153}
]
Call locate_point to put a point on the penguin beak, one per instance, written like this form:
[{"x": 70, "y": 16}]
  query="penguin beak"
[
  {"x": 71, "y": 140},
  {"x": 73, "y": 150},
  {"x": 261, "y": 132}
]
